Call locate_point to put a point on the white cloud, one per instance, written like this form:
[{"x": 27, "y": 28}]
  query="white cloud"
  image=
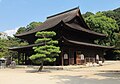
[{"x": 11, "y": 32}]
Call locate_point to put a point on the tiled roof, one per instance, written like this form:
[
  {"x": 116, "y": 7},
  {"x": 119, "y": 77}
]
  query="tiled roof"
[{"x": 64, "y": 17}]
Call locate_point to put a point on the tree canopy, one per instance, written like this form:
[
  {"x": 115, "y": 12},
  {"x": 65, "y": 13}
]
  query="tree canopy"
[
  {"x": 21, "y": 30},
  {"x": 48, "y": 49},
  {"x": 33, "y": 25},
  {"x": 29, "y": 27},
  {"x": 114, "y": 14},
  {"x": 5, "y": 44},
  {"x": 87, "y": 14},
  {"x": 102, "y": 24},
  {"x": 112, "y": 37}
]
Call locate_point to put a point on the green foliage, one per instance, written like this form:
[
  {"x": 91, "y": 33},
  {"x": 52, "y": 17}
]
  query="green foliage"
[
  {"x": 105, "y": 25},
  {"x": 114, "y": 14},
  {"x": 111, "y": 32},
  {"x": 117, "y": 51},
  {"x": 118, "y": 42},
  {"x": 29, "y": 27},
  {"x": 33, "y": 25},
  {"x": 21, "y": 30},
  {"x": 48, "y": 50},
  {"x": 46, "y": 34},
  {"x": 87, "y": 14},
  {"x": 4, "y": 44},
  {"x": 7, "y": 43}
]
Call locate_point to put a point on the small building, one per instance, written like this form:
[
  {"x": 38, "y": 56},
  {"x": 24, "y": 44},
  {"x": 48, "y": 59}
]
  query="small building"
[{"x": 76, "y": 40}]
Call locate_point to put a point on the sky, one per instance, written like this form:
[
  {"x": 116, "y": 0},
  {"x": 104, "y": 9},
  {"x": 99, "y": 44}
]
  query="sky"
[{"x": 18, "y": 13}]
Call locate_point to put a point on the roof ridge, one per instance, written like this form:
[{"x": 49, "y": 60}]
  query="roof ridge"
[{"x": 63, "y": 12}]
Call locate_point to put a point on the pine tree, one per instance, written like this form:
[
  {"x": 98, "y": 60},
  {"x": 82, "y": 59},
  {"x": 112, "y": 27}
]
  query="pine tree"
[{"x": 48, "y": 51}]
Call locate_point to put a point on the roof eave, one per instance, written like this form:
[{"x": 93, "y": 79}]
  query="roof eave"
[{"x": 87, "y": 44}]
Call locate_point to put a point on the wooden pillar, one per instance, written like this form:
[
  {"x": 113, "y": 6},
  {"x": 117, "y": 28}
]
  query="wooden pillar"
[
  {"x": 93, "y": 60},
  {"x": 26, "y": 58},
  {"x": 89, "y": 59},
  {"x": 85, "y": 62},
  {"x": 62, "y": 59},
  {"x": 18, "y": 57},
  {"x": 23, "y": 58},
  {"x": 69, "y": 57}
]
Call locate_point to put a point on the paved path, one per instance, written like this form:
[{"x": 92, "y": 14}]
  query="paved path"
[{"x": 77, "y": 76}]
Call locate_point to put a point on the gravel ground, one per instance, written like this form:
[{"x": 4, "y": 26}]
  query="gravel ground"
[{"x": 107, "y": 74}]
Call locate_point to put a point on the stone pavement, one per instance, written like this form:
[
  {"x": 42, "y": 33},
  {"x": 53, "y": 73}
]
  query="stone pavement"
[
  {"x": 89, "y": 75},
  {"x": 108, "y": 65}
]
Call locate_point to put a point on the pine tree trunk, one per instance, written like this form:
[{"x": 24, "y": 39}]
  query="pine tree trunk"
[{"x": 41, "y": 67}]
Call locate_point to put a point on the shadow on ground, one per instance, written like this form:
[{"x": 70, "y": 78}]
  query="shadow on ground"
[
  {"x": 111, "y": 75},
  {"x": 36, "y": 71},
  {"x": 67, "y": 79}
]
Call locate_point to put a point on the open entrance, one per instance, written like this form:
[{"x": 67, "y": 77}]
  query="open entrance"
[{"x": 77, "y": 57}]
